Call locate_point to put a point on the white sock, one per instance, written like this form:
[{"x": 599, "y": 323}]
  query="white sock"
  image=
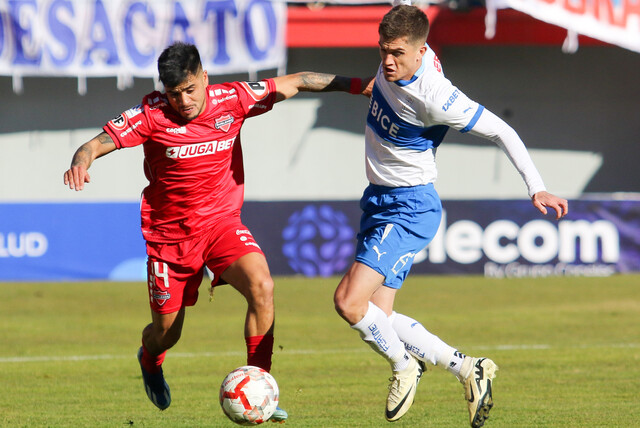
[
  {"x": 376, "y": 330},
  {"x": 425, "y": 346}
]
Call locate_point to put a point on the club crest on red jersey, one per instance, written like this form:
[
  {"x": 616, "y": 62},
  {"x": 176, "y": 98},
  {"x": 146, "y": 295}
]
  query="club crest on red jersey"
[{"x": 224, "y": 122}]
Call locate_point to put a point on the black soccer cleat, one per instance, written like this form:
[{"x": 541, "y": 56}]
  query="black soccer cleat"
[{"x": 154, "y": 384}]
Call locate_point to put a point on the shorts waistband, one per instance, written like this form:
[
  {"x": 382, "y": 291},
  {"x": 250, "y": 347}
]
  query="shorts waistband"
[{"x": 376, "y": 188}]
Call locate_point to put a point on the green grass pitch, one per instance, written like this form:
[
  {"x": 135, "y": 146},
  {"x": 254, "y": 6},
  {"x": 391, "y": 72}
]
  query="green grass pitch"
[{"x": 568, "y": 351}]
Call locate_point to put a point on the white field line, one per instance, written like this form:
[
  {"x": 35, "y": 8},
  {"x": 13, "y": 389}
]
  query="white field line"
[{"x": 71, "y": 358}]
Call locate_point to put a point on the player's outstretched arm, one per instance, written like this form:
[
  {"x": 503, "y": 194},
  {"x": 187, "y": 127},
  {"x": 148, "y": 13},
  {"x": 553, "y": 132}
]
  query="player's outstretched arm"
[
  {"x": 289, "y": 85},
  {"x": 77, "y": 174},
  {"x": 543, "y": 200},
  {"x": 495, "y": 129}
]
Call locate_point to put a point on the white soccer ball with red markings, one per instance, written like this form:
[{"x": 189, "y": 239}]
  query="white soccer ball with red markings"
[{"x": 249, "y": 395}]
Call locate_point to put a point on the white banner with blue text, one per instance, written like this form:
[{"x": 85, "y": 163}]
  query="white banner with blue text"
[{"x": 100, "y": 38}]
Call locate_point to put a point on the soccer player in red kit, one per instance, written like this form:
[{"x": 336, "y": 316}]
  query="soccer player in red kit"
[{"x": 190, "y": 211}]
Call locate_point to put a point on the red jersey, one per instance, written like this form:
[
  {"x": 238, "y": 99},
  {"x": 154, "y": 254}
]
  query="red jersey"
[{"x": 194, "y": 168}]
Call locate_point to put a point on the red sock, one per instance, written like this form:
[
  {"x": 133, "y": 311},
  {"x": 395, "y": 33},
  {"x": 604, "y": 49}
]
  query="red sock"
[
  {"x": 151, "y": 363},
  {"x": 259, "y": 350}
]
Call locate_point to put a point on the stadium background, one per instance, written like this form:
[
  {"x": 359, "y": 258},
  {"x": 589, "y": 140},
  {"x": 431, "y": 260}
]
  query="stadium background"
[{"x": 576, "y": 112}]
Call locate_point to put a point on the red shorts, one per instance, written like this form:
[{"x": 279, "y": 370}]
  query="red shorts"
[{"x": 175, "y": 270}]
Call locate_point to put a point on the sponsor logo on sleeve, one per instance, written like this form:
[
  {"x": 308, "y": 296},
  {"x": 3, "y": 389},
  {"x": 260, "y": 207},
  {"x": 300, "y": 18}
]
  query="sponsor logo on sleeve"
[
  {"x": 133, "y": 111},
  {"x": 130, "y": 129},
  {"x": 261, "y": 106},
  {"x": 436, "y": 64},
  {"x": 452, "y": 99},
  {"x": 119, "y": 122},
  {"x": 257, "y": 90}
]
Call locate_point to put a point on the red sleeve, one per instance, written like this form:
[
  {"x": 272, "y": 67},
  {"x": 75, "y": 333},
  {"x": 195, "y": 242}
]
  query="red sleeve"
[
  {"x": 128, "y": 129},
  {"x": 257, "y": 97}
]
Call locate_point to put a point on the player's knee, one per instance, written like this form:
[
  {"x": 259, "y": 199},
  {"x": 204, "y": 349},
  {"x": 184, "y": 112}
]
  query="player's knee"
[
  {"x": 345, "y": 307},
  {"x": 261, "y": 293},
  {"x": 158, "y": 338}
]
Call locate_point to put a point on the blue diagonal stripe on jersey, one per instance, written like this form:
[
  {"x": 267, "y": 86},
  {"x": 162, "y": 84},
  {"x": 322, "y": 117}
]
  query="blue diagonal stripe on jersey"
[{"x": 386, "y": 123}]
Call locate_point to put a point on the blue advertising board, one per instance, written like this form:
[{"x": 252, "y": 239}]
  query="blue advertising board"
[
  {"x": 71, "y": 241},
  {"x": 500, "y": 238}
]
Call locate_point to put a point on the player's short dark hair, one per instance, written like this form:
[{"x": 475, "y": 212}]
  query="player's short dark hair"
[
  {"x": 176, "y": 62},
  {"x": 405, "y": 21}
]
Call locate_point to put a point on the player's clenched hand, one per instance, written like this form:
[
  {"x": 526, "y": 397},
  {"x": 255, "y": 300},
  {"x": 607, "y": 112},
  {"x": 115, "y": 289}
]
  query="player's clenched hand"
[
  {"x": 543, "y": 200},
  {"x": 368, "y": 86},
  {"x": 76, "y": 176}
]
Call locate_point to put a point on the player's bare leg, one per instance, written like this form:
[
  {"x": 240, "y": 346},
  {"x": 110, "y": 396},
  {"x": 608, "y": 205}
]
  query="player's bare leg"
[
  {"x": 251, "y": 277},
  {"x": 355, "y": 290},
  {"x": 163, "y": 332}
]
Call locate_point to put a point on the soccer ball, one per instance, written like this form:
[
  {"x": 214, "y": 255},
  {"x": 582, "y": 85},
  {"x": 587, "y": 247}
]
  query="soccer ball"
[{"x": 249, "y": 395}]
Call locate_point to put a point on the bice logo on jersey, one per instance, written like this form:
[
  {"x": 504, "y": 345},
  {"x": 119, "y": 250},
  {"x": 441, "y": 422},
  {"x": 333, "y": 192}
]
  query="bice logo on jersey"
[{"x": 224, "y": 122}]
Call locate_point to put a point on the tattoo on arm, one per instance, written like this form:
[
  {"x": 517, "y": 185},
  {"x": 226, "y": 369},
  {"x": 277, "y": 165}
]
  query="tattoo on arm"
[
  {"x": 104, "y": 138},
  {"x": 84, "y": 155},
  {"x": 321, "y": 82}
]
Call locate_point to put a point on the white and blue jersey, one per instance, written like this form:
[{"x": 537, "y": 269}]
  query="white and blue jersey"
[{"x": 407, "y": 121}]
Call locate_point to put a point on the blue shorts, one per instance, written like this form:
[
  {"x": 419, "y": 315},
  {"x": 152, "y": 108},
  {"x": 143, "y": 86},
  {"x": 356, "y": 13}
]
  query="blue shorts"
[{"x": 396, "y": 224}]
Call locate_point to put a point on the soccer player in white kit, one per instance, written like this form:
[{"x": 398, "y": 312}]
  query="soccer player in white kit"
[{"x": 411, "y": 108}]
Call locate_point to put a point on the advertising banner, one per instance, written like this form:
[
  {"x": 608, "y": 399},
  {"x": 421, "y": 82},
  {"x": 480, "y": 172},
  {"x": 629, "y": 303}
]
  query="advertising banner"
[
  {"x": 504, "y": 238},
  {"x": 71, "y": 241},
  {"x": 612, "y": 21},
  {"x": 124, "y": 38},
  {"x": 492, "y": 238}
]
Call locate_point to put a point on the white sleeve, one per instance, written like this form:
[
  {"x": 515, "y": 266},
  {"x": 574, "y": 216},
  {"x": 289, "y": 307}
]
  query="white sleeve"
[{"x": 497, "y": 130}]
